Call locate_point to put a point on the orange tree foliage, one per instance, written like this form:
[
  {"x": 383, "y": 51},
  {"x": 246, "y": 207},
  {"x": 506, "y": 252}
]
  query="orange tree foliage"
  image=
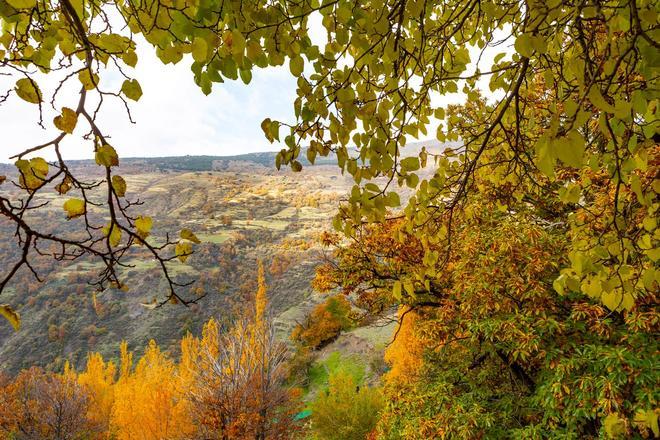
[
  {"x": 404, "y": 354},
  {"x": 98, "y": 379},
  {"x": 493, "y": 350},
  {"x": 148, "y": 402},
  {"x": 225, "y": 386},
  {"x": 324, "y": 323},
  {"x": 40, "y": 405},
  {"x": 238, "y": 378}
]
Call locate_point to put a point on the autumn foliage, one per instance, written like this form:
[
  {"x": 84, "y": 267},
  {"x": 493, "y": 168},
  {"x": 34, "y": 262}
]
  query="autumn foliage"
[
  {"x": 487, "y": 347},
  {"x": 324, "y": 322},
  {"x": 225, "y": 385}
]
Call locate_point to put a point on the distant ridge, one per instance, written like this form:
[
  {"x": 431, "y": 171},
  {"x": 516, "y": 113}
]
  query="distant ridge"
[{"x": 214, "y": 163}]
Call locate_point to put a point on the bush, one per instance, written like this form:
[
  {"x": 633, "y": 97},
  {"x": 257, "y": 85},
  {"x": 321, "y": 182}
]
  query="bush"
[
  {"x": 346, "y": 411},
  {"x": 324, "y": 323}
]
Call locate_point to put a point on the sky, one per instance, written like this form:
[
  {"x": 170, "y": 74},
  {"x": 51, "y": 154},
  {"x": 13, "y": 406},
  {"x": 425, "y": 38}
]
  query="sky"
[{"x": 173, "y": 117}]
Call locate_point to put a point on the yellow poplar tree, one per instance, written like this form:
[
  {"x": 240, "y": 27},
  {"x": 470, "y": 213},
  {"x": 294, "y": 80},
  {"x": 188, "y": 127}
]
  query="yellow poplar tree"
[
  {"x": 98, "y": 379},
  {"x": 151, "y": 392}
]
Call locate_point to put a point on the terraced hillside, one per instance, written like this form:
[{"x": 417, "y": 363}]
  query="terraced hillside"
[{"x": 241, "y": 213}]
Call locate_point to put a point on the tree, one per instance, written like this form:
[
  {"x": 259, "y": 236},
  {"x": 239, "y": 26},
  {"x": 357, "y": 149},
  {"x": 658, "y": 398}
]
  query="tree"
[
  {"x": 324, "y": 323},
  {"x": 490, "y": 339},
  {"x": 39, "y": 405},
  {"x": 239, "y": 378},
  {"x": 98, "y": 379},
  {"x": 148, "y": 402}
]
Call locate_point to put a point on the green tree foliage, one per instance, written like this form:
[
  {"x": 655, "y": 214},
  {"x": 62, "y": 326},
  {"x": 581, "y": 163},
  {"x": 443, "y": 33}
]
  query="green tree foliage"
[
  {"x": 346, "y": 411},
  {"x": 503, "y": 355}
]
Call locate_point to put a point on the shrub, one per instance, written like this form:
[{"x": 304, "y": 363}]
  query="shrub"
[{"x": 346, "y": 411}]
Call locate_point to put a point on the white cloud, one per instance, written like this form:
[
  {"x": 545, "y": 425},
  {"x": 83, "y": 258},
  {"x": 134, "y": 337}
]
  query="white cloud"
[{"x": 173, "y": 117}]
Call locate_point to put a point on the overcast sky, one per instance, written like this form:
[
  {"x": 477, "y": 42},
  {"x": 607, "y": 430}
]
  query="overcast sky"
[{"x": 173, "y": 117}]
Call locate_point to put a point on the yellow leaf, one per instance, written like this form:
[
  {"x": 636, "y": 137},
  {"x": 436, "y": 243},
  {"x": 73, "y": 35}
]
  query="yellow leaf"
[
  {"x": 614, "y": 425},
  {"x": 22, "y": 4},
  {"x": 648, "y": 419},
  {"x": 183, "y": 250},
  {"x": 187, "y": 234},
  {"x": 143, "y": 225},
  {"x": 74, "y": 208},
  {"x": 409, "y": 287},
  {"x": 107, "y": 156},
  {"x": 28, "y": 90},
  {"x": 130, "y": 58},
  {"x": 396, "y": 291},
  {"x": 119, "y": 186},
  {"x": 10, "y": 315},
  {"x": 67, "y": 120},
  {"x": 88, "y": 81},
  {"x": 611, "y": 300},
  {"x": 114, "y": 233},
  {"x": 628, "y": 301},
  {"x": 33, "y": 173}
]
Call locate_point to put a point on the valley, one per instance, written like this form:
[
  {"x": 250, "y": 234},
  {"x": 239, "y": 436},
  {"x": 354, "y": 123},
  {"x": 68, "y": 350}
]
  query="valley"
[{"x": 240, "y": 213}]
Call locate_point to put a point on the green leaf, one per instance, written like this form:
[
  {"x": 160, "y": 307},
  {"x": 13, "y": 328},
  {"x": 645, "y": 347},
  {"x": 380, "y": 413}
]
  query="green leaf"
[
  {"x": 297, "y": 65},
  {"x": 10, "y": 315},
  {"x": 28, "y": 90},
  {"x": 131, "y": 88},
  {"x": 107, "y": 156},
  {"x": 523, "y": 45},
  {"x": 254, "y": 51},
  {"x": 246, "y": 76},
  {"x": 392, "y": 199},
  {"x": 74, "y": 208},
  {"x": 66, "y": 121},
  {"x": 199, "y": 50},
  {"x": 410, "y": 164},
  {"x": 570, "y": 149}
]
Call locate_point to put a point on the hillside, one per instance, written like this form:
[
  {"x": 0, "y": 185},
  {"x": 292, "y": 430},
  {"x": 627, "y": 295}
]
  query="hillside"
[{"x": 242, "y": 213}]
